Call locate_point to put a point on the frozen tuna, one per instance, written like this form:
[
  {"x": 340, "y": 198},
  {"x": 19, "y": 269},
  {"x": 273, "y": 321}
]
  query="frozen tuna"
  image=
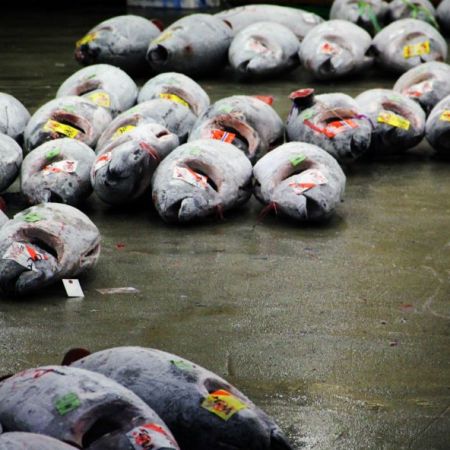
[
  {"x": 300, "y": 181},
  {"x": 200, "y": 179},
  {"x": 31, "y": 441},
  {"x": 264, "y": 49},
  {"x": 247, "y": 122},
  {"x": 72, "y": 117},
  {"x": 443, "y": 15},
  {"x": 80, "y": 407},
  {"x": 414, "y": 9},
  {"x": 44, "y": 244},
  {"x": 194, "y": 44},
  {"x": 177, "y": 88},
  {"x": 103, "y": 84},
  {"x": 204, "y": 411},
  {"x": 438, "y": 127},
  {"x": 398, "y": 122},
  {"x": 335, "y": 49},
  {"x": 121, "y": 41},
  {"x": 123, "y": 169},
  {"x": 13, "y": 117},
  {"x": 10, "y": 161},
  {"x": 407, "y": 43},
  {"x": 334, "y": 122},
  {"x": 58, "y": 171}
]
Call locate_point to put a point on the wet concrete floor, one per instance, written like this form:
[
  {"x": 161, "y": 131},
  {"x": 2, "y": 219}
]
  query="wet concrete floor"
[{"x": 341, "y": 332}]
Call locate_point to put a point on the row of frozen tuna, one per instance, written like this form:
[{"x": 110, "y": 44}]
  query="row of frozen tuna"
[{"x": 130, "y": 398}]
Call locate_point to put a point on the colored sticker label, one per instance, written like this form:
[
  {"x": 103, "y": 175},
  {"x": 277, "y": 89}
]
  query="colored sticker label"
[
  {"x": 296, "y": 160},
  {"x": 225, "y": 109},
  {"x": 100, "y": 99},
  {"x": 394, "y": 120},
  {"x": 417, "y": 90},
  {"x": 151, "y": 436},
  {"x": 61, "y": 128},
  {"x": 308, "y": 180},
  {"x": 174, "y": 98},
  {"x": 223, "y": 404},
  {"x": 32, "y": 217},
  {"x": 67, "y": 403},
  {"x": 102, "y": 160},
  {"x": 221, "y": 135},
  {"x": 182, "y": 365},
  {"x": 53, "y": 153},
  {"x": 162, "y": 37},
  {"x": 330, "y": 49},
  {"x": 86, "y": 39},
  {"x": 189, "y": 176},
  {"x": 307, "y": 114},
  {"x": 64, "y": 166},
  {"x": 123, "y": 130},
  {"x": 195, "y": 151},
  {"x": 445, "y": 116},
  {"x": 422, "y": 48},
  {"x": 24, "y": 254}
]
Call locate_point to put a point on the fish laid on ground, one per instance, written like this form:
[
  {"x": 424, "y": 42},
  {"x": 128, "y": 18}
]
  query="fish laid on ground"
[
  {"x": 13, "y": 117},
  {"x": 44, "y": 244},
  {"x": 443, "y": 16},
  {"x": 427, "y": 84},
  {"x": 203, "y": 411},
  {"x": 176, "y": 87},
  {"x": 414, "y": 9},
  {"x": 300, "y": 181},
  {"x": 437, "y": 129},
  {"x": 123, "y": 169},
  {"x": 103, "y": 84},
  {"x": 58, "y": 171},
  {"x": 72, "y": 117},
  {"x": 334, "y": 122},
  {"x": 335, "y": 49},
  {"x": 398, "y": 121},
  {"x": 407, "y": 43},
  {"x": 177, "y": 118},
  {"x": 82, "y": 408},
  {"x": 31, "y": 441},
  {"x": 10, "y": 161},
  {"x": 195, "y": 44},
  {"x": 200, "y": 179},
  {"x": 245, "y": 121},
  {"x": 121, "y": 41},
  {"x": 297, "y": 20},
  {"x": 369, "y": 14},
  {"x": 264, "y": 49}
]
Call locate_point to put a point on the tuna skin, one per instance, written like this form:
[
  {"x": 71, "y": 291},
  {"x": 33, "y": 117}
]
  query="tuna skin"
[
  {"x": 437, "y": 129},
  {"x": 415, "y": 9},
  {"x": 13, "y": 117},
  {"x": 31, "y": 441},
  {"x": 10, "y": 161},
  {"x": 443, "y": 15}
]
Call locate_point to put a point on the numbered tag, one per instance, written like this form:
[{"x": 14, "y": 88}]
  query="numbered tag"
[
  {"x": 151, "y": 436},
  {"x": 100, "y": 99},
  {"x": 422, "y": 48},
  {"x": 61, "y": 128},
  {"x": 65, "y": 166},
  {"x": 330, "y": 49},
  {"x": 102, "y": 160},
  {"x": 445, "y": 116},
  {"x": 394, "y": 120},
  {"x": 86, "y": 39},
  {"x": 221, "y": 135},
  {"x": 223, "y": 404},
  {"x": 67, "y": 403},
  {"x": 174, "y": 98},
  {"x": 307, "y": 180},
  {"x": 24, "y": 254},
  {"x": 189, "y": 176},
  {"x": 123, "y": 130},
  {"x": 72, "y": 287}
]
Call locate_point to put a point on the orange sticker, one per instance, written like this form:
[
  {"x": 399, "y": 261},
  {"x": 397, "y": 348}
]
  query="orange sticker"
[{"x": 221, "y": 135}]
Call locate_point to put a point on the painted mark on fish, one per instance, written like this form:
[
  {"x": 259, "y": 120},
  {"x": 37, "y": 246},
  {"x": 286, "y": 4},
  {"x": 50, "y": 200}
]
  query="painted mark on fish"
[
  {"x": 58, "y": 127},
  {"x": 330, "y": 49},
  {"x": 332, "y": 128},
  {"x": 256, "y": 46},
  {"x": 24, "y": 255},
  {"x": 150, "y": 436},
  {"x": 223, "y": 404},
  {"x": 419, "y": 89},
  {"x": 122, "y": 130},
  {"x": 221, "y": 135},
  {"x": 296, "y": 160},
  {"x": 102, "y": 160},
  {"x": 307, "y": 180},
  {"x": 86, "y": 39},
  {"x": 65, "y": 166},
  {"x": 174, "y": 98},
  {"x": 32, "y": 217},
  {"x": 53, "y": 153},
  {"x": 189, "y": 176},
  {"x": 445, "y": 116},
  {"x": 100, "y": 99},
  {"x": 422, "y": 48},
  {"x": 67, "y": 403},
  {"x": 394, "y": 120},
  {"x": 182, "y": 365}
]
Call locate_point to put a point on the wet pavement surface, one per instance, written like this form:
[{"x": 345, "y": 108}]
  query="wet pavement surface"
[{"x": 341, "y": 332}]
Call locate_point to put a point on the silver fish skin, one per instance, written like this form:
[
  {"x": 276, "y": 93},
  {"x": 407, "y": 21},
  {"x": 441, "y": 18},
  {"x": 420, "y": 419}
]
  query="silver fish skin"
[
  {"x": 200, "y": 179},
  {"x": 104, "y": 85},
  {"x": 44, "y": 244},
  {"x": 72, "y": 116},
  {"x": 3, "y": 219},
  {"x": 123, "y": 169},
  {"x": 10, "y": 161},
  {"x": 335, "y": 49},
  {"x": 300, "y": 22},
  {"x": 193, "y": 45},
  {"x": 178, "y": 390},
  {"x": 407, "y": 43},
  {"x": 17, "y": 440},
  {"x": 443, "y": 16},
  {"x": 13, "y": 117},
  {"x": 300, "y": 180},
  {"x": 414, "y": 9},
  {"x": 121, "y": 41},
  {"x": 369, "y": 14},
  {"x": 437, "y": 128},
  {"x": 264, "y": 49},
  {"x": 77, "y": 406},
  {"x": 252, "y": 125},
  {"x": 58, "y": 171},
  {"x": 177, "y": 118},
  {"x": 427, "y": 84},
  {"x": 176, "y": 86},
  {"x": 334, "y": 122},
  {"x": 398, "y": 121}
]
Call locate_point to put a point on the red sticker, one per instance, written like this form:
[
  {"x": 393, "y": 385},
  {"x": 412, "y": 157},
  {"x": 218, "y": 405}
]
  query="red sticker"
[{"x": 221, "y": 135}]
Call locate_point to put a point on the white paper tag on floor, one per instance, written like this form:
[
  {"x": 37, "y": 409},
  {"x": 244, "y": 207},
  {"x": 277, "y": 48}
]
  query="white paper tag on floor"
[{"x": 73, "y": 288}]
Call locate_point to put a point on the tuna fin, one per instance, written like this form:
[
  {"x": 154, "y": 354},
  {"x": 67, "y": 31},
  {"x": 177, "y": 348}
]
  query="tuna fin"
[
  {"x": 74, "y": 354},
  {"x": 228, "y": 23},
  {"x": 278, "y": 441}
]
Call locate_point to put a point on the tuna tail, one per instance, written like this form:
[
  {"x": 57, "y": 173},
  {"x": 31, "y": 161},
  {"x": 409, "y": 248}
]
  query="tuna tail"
[
  {"x": 74, "y": 354},
  {"x": 302, "y": 98},
  {"x": 278, "y": 441}
]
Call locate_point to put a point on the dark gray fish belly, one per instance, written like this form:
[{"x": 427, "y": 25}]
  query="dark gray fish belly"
[
  {"x": 13, "y": 117},
  {"x": 437, "y": 129},
  {"x": 10, "y": 161}
]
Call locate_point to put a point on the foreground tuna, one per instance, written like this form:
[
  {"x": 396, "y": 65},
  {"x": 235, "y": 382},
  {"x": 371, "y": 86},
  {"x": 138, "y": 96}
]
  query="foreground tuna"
[
  {"x": 443, "y": 15},
  {"x": 123, "y": 169},
  {"x": 200, "y": 179},
  {"x": 10, "y": 161},
  {"x": 72, "y": 117},
  {"x": 407, "y": 43},
  {"x": 203, "y": 411},
  {"x": 415, "y": 9},
  {"x": 398, "y": 122},
  {"x": 438, "y": 127},
  {"x": 103, "y": 84},
  {"x": 194, "y": 44},
  {"x": 58, "y": 171},
  {"x": 300, "y": 181},
  {"x": 31, "y": 441},
  {"x": 335, "y": 49},
  {"x": 13, "y": 117},
  {"x": 44, "y": 244},
  {"x": 80, "y": 407},
  {"x": 334, "y": 122},
  {"x": 247, "y": 122},
  {"x": 121, "y": 41}
]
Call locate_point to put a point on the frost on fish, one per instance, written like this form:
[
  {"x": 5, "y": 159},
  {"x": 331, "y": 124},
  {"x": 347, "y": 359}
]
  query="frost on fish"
[
  {"x": 17, "y": 440},
  {"x": 437, "y": 129},
  {"x": 13, "y": 117},
  {"x": 10, "y": 161}
]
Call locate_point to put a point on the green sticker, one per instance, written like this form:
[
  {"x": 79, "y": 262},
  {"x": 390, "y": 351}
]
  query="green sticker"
[
  {"x": 183, "y": 365},
  {"x": 225, "y": 108},
  {"x": 195, "y": 151},
  {"x": 69, "y": 108},
  {"x": 53, "y": 153},
  {"x": 307, "y": 114},
  {"x": 67, "y": 403},
  {"x": 296, "y": 160},
  {"x": 32, "y": 217}
]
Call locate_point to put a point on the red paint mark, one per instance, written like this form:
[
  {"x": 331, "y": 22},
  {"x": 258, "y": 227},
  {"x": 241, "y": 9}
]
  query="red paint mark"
[
  {"x": 120, "y": 246},
  {"x": 221, "y": 135},
  {"x": 265, "y": 98}
]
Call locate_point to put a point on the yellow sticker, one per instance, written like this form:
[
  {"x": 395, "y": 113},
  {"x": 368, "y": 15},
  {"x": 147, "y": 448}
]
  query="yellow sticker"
[
  {"x": 174, "y": 98},
  {"x": 123, "y": 130},
  {"x": 61, "y": 128},
  {"x": 393, "y": 120},
  {"x": 223, "y": 404},
  {"x": 100, "y": 99},
  {"x": 422, "y": 48},
  {"x": 445, "y": 116},
  {"x": 86, "y": 39},
  {"x": 162, "y": 37}
]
